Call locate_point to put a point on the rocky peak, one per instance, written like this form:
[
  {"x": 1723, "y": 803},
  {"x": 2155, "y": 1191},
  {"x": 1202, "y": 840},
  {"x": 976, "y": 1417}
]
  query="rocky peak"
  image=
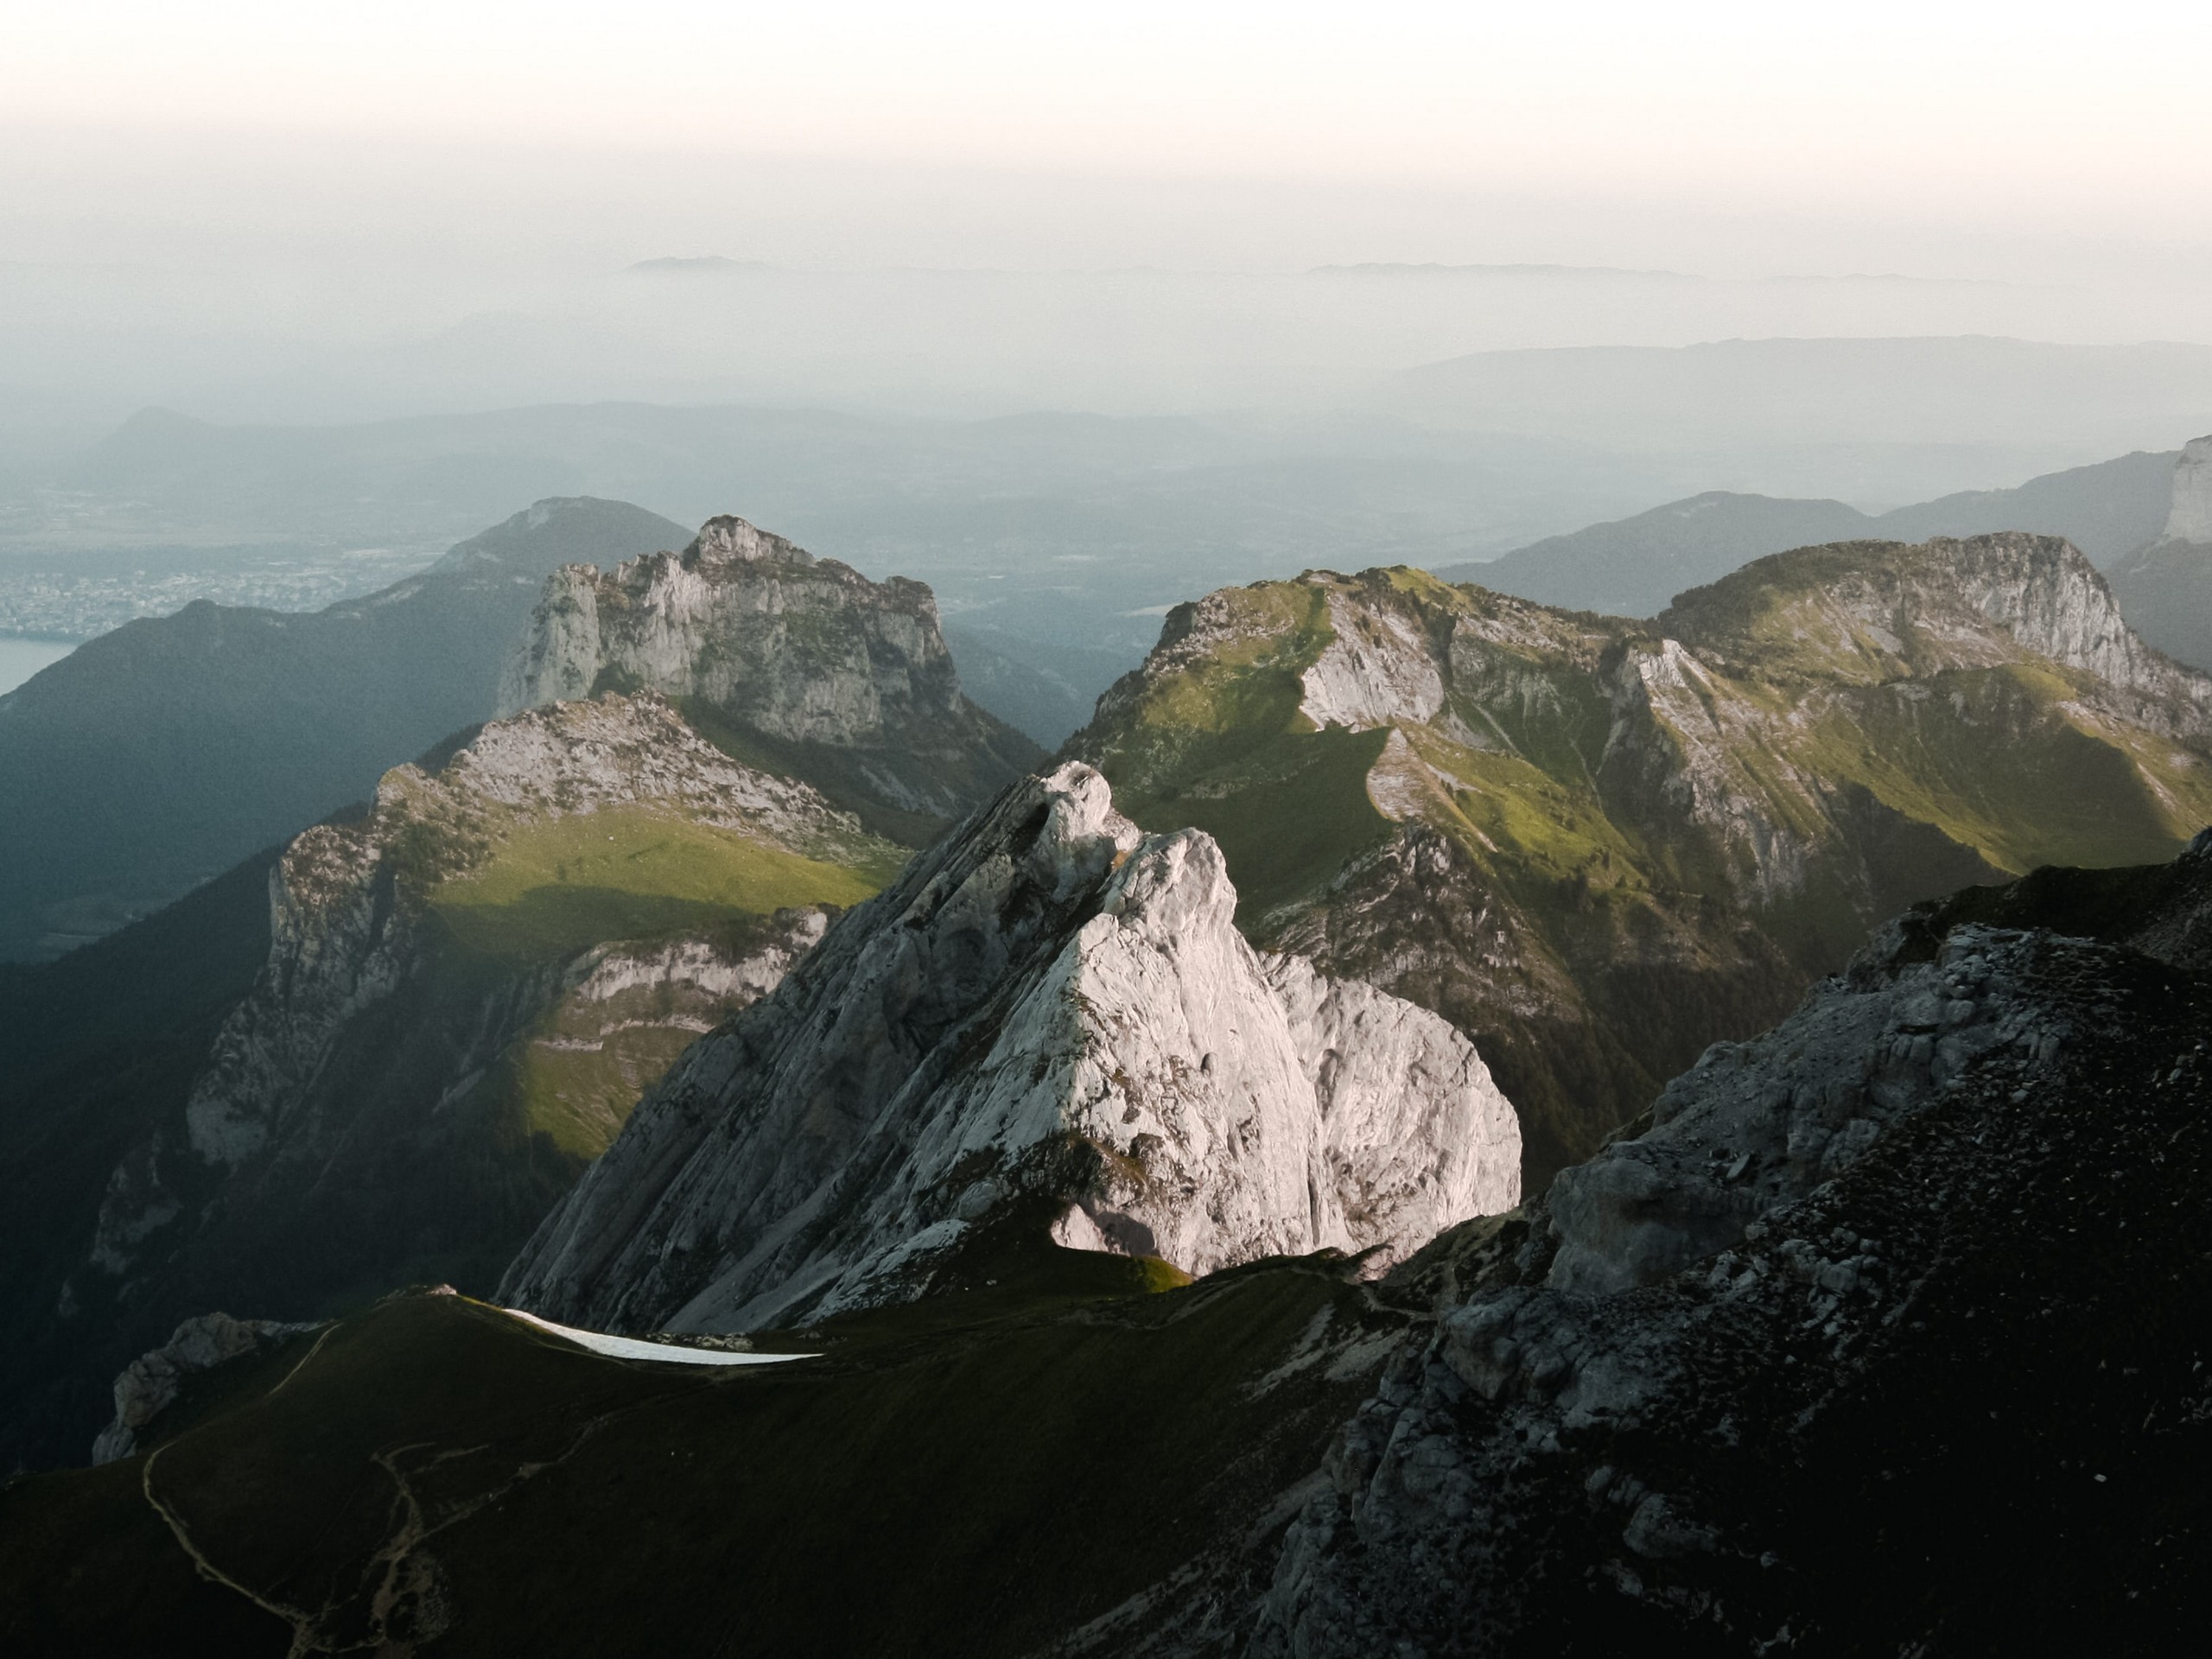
[
  {"x": 780, "y": 646},
  {"x": 729, "y": 539},
  {"x": 1049, "y": 1022},
  {"x": 2189, "y": 518}
]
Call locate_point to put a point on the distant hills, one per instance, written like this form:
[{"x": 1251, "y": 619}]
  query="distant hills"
[
  {"x": 1633, "y": 567},
  {"x": 155, "y": 756}
]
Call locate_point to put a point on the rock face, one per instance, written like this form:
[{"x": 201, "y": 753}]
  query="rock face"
[
  {"x": 2166, "y": 586},
  {"x": 1889, "y": 1295},
  {"x": 2190, "y": 519},
  {"x": 151, "y": 1383},
  {"x": 1598, "y": 845},
  {"x": 464, "y": 992},
  {"x": 803, "y": 653},
  {"x": 1049, "y": 1021}
]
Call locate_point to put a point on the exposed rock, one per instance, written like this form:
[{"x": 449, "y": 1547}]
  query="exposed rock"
[
  {"x": 2190, "y": 519},
  {"x": 416, "y": 1075},
  {"x": 150, "y": 1383},
  {"x": 2166, "y": 586},
  {"x": 795, "y": 650},
  {"x": 1894, "y": 1294},
  {"x": 1597, "y": 845},
  {"x": 1049, "y": 1021}
]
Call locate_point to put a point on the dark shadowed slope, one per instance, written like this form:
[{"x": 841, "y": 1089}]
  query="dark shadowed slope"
[{"x": 154, "y": 756}]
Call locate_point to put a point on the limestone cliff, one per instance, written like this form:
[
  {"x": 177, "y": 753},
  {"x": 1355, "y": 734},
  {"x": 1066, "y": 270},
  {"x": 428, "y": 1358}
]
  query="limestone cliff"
[
  {"x": 805, "y": 656},
  {"x": 2191, "y": 518},
  {"x": 2166, "y": 586},
  {"x": 1597, "y": 845},
  {"x": 1049, "y": 1021}
]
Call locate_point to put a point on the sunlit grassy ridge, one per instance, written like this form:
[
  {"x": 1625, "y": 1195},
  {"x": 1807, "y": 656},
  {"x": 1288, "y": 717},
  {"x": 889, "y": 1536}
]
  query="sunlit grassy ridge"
[{"x": 554, "y": 887}]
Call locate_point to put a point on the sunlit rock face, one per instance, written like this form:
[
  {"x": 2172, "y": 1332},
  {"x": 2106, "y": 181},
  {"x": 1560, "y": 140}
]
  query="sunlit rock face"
[
  {"x": 782, "y": 646},
  {"x": 1049, "y": 1024}
]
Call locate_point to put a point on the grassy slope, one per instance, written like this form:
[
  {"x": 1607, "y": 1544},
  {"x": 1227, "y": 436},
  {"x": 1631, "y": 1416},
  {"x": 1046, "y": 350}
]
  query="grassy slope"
[
  {"x": 971, "y": 1477},
  {"x": 1625, "y": 951},
  {"x": 98, "y": 1049},
  {"x": 557, "y": 888}
]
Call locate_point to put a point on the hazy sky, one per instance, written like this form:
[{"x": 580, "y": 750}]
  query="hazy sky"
[
  {"x": 286, "y": 211},
  {"x": 1961, "y": 130}
]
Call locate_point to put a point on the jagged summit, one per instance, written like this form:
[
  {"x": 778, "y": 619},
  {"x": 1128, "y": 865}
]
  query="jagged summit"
[
  {"x": 844, "y": 680},
  {"x": 1049, "y": 1021}
]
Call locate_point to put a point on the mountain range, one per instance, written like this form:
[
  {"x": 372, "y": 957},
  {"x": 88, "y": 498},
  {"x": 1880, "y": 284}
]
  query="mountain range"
[
  {"x": 409, "y": 1031},
  {"x": 1897, "y": 1292},
  {"x": 1438, "y": 1122},
  {"x": 1632, "y": 567},
  {"x": 1599, "y": 845},
  {"x": 155, "y": 756}
]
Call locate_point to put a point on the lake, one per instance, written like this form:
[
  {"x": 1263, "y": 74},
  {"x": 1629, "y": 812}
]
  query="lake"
[{"x": 21, "y": 658}]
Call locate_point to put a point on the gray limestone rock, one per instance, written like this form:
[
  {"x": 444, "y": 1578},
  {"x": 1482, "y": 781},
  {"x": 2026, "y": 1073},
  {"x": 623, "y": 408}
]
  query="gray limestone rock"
[
  {"x": 150, "y": 1383},
  {"x": 1051, "y": 1016}
]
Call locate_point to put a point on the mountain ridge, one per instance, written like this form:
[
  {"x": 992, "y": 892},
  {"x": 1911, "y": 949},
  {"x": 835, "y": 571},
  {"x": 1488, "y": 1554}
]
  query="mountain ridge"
[{"x": 1597, "y": 847}]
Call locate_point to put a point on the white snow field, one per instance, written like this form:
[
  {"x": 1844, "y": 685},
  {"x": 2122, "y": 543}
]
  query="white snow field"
[{"x": 634, "y": 1348}]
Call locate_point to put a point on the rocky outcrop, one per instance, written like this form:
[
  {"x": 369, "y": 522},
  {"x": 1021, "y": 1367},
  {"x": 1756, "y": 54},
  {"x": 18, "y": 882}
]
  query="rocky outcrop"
[
  {"x": 2191, "y": 518},
  {"x": 348, "y": 903},
  {"x": 1597, "y": 845},
  {"x": 2166, "y": 586},
  {"x": 443, "y": 1033},
  {"x": 1886, "y": 1295},
  {"x": 798, "y": 650},
  {"x": 150, "y": 1383},
  {"x": 1049, "y": 1021}
]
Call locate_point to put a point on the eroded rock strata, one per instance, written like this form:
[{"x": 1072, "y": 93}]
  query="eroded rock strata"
[
  {"x": 1049, "y": 1021},
  {"x": 843, "y": 678}
]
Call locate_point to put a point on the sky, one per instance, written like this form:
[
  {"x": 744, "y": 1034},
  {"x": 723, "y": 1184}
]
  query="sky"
[
  {"x": 1960, "y": 129},
  {"x": 257, "y": 210}
]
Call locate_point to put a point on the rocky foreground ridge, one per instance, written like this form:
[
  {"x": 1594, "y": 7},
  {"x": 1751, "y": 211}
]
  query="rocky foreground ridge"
[
  {"x": 1896, "y": 1294},
  {"x": 1597, "y": 845},
  {"x": 849, "y": 678},
  {"x": 1048, "y": 1022}
]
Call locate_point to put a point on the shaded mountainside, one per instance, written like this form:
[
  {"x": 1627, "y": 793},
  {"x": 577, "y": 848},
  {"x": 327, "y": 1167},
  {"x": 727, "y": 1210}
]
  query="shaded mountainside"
[
  {"x": 803, "y": 663},
  {"x": 1634, "y": 565},
  {"x": 1597, "y": 845},
  {"x": 1049, "y": 1022},
  {"x": 384, "y": 1054},
  {"x": 1903, "y": 1293},
  {"x": 153, "y": 757}
]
